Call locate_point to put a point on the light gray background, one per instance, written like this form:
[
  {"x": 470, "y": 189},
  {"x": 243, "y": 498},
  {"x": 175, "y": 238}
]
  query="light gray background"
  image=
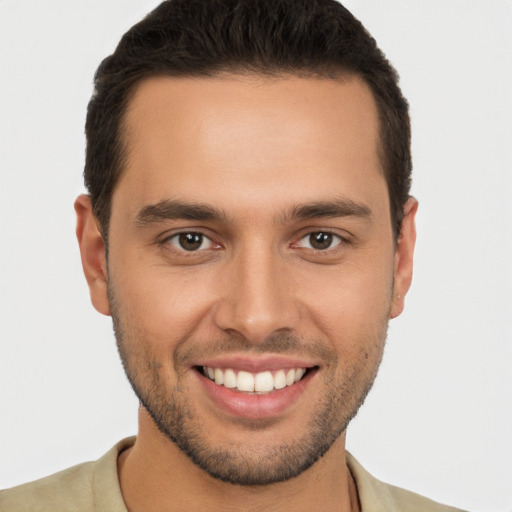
[{"x": 439, "y": 419}]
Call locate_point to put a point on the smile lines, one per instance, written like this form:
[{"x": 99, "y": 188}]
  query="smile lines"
[{"x": 263, "y": 382}]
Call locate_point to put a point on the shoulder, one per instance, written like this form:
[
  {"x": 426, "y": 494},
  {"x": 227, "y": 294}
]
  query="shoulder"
[
  {"x": 70, "y": 489},
  {"x": 377, "y": 496},
  {"x": 90, "y": 486}
]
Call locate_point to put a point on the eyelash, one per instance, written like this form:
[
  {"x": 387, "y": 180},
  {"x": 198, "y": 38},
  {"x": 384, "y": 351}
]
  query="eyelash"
[
  {"x": 176, "y": 236},
  {"x": 337, "y": 239}
]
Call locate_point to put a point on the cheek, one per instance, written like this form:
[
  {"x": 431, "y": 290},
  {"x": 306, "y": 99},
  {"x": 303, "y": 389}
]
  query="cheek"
[
  {"x": 164, "y": 305},
  {"x": 351, "y": 304}
]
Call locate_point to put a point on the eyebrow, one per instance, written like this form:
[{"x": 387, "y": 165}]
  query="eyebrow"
[
  {"x": 169, "y": 209},
  {"x": 339, "y": 207}
]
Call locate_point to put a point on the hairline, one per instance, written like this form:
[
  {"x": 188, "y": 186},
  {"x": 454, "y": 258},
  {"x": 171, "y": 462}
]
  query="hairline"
[{"x": 324, "y": 72}]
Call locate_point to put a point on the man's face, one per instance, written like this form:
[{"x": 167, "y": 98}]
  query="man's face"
[{"x": 250, "y": 243}]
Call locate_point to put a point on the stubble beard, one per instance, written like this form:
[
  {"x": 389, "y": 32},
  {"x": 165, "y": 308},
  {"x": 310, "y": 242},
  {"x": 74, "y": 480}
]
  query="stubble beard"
[{"x": 245, "y": 465}]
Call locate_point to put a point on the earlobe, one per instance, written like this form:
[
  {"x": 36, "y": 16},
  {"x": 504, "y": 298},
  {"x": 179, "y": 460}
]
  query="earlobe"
[
  {"x": 404, "y": 256},
  {"x": 92, "y": 251}
]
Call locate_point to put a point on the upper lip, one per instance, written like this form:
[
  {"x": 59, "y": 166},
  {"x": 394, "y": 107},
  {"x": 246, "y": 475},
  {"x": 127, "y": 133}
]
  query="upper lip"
[{"x": 256, "y": 365}]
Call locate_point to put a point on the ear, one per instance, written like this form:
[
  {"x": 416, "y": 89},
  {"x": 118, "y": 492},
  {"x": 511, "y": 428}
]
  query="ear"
[
  {"x": 92, "y": 250},
  {"x": 404, "y": 257}
]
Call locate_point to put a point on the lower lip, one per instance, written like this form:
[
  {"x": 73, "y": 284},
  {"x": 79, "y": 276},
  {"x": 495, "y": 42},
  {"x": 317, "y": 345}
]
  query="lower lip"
[{"x": 254, "y": 406}]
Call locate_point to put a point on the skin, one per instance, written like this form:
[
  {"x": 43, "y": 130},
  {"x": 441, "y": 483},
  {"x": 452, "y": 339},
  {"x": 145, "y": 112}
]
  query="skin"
[{"x": 257, "y": 149}]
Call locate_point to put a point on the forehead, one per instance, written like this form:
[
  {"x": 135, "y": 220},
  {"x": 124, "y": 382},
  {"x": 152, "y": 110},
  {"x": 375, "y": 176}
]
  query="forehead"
[{"x": 262, "y": 139}]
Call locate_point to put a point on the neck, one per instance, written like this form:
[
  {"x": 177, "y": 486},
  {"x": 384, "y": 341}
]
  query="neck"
[{"x": 155, "y": 475}]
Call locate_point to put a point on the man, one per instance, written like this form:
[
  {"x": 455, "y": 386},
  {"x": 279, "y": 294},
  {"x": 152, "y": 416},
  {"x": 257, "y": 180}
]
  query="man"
[{"x": 250, "y": 231}]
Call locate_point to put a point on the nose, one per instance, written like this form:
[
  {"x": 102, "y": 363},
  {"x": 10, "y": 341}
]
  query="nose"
[{"x": 257, "y": 299}]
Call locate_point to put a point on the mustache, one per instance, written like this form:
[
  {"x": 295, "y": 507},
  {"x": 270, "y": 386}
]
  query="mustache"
[{"x": 276, "y": 343}]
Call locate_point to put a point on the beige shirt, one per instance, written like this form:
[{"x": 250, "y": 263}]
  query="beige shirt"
[{"x": 94, "y": 487}]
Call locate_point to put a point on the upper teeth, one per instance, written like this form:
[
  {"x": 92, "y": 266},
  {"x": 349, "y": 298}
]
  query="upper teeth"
[{"x": 254, "y": 382}]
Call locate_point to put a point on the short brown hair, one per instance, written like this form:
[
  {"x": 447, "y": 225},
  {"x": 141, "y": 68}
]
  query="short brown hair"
[{"x": 266, "y": 37}]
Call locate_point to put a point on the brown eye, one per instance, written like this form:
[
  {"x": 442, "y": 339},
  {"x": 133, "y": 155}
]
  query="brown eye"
[
  {"x": 320, "y": 241},
  {"x": 190, "y": 241}
]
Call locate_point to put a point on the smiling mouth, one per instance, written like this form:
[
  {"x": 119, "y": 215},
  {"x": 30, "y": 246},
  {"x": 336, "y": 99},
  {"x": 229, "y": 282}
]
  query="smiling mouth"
[{"x": 254, "y": 383}]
